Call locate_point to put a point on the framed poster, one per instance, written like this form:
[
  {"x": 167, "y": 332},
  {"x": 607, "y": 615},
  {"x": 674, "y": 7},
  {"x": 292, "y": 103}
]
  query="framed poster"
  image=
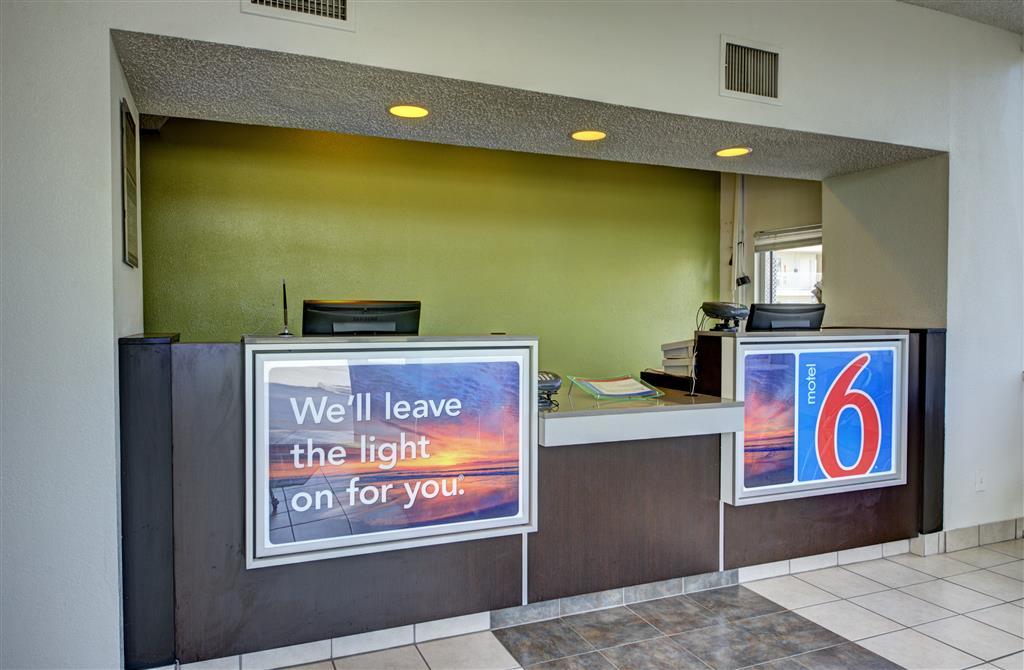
[
  {"x": 356, "y": 448},
  {"x": 129, "y": 189},
  {"x": 820, "y": 417}
]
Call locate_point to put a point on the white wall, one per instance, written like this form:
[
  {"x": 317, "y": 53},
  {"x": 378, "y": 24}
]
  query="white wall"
[
  {"x": 884, "y": 245},
  {"x": 984, "y": 402},
  {"x": 884, "y": 71},
  {"x": 58, "y": 493}
]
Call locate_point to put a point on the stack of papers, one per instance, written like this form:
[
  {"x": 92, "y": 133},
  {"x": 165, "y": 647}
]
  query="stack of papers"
[
  {"x": 616, "y": 387},
  {"x": 677, "y": 357}
]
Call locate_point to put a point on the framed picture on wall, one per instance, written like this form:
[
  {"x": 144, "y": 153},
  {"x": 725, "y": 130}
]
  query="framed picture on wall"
[{"x": 129, "y": 189}]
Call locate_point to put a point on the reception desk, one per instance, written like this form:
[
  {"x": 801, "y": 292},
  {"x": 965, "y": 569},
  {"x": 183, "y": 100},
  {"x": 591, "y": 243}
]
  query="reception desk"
[
  {"x": 625, "y": 493},
  {"x": 582, "y": 419},
  {"x": 811, "y": 524}
]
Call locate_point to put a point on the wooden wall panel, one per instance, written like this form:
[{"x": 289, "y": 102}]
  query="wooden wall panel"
[{"x": 624, "y": 513}]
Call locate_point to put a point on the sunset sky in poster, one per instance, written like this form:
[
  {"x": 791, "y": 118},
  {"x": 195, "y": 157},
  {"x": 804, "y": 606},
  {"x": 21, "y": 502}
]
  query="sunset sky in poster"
[
  {"x": 769, "y": 419},
  {"x": 481, "y": 444}
]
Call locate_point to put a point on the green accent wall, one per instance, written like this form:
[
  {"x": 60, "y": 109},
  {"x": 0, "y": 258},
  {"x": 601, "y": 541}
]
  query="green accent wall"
[{"x": 602, "y": 261}]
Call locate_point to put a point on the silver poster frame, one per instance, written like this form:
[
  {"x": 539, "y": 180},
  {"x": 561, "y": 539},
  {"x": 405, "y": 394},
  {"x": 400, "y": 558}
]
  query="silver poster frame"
[
  {"x": 734, "y": 490},
  {"x": 258, "y": 351}
]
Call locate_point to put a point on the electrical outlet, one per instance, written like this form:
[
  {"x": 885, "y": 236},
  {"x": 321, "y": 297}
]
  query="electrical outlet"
[{"x": 979, "y": 480}]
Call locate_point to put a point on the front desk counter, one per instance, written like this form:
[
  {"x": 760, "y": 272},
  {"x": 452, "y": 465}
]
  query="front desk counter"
[
  {"x": 628, "y": 493},
  {"x": 580, "y": 418},
  {"x": 765, "y": 528}
]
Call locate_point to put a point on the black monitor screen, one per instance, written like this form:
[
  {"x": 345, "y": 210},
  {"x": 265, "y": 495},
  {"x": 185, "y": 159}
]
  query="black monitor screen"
[
  {"x": 360, "y": 317},
  {"x": 788, "y": 316}
]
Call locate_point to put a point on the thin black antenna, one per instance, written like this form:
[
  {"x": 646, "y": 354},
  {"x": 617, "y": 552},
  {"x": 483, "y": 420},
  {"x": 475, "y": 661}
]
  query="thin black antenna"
[{"x": 284, "y": 300}]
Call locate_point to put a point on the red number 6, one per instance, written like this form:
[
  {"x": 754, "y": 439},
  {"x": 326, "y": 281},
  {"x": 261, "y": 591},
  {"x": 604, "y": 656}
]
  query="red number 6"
[{"x": 838, "y": 398}]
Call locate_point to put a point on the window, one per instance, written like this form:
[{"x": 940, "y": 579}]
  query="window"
[{"x": 787, "y": 265}]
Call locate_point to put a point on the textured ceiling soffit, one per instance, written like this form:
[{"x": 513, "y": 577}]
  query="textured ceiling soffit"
[
  {"x": 203, "y": 80},
  {"x": 1005, "y": 14}
]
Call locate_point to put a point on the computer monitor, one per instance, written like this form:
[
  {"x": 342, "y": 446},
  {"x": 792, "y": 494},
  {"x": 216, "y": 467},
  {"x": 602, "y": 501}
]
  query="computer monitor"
[
  {"x": 786, "y": 316},
  {"x": 360, "y": 317}
]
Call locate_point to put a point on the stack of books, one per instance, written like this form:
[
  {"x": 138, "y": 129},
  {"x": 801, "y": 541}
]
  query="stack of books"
[{"x": 677, "y": 357}]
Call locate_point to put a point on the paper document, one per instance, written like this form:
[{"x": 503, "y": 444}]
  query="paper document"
[{"x": 617, "y": 387}]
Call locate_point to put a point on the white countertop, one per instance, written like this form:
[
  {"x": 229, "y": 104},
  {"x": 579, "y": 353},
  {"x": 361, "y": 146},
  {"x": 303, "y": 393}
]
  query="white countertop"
[{"x": 582, "y": 419}]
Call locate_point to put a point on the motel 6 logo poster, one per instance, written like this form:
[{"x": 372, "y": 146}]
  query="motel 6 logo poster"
[{"x": 821, "y": 415}]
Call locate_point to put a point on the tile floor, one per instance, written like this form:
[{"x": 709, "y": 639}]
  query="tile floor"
[{"x": 959, "y": 610}]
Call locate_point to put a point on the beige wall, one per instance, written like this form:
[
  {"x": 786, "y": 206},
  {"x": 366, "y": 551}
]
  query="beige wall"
[
  {"x": 770, "y": 203},
  {"x": 885, "y": 239}
]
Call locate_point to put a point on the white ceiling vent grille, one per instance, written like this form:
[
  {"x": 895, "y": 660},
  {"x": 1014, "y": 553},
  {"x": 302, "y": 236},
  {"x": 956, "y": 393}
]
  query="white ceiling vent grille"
[
  {"x": 328, "y": 13},
  {"x": 750, "y": 70},
  {"x": 331, "y": 9}
]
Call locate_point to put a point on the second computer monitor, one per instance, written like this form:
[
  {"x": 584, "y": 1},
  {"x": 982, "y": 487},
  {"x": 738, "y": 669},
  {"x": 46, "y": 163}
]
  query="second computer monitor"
[
  {"x": 344, "y": 318},
  {"x": 787, "y": 316}
]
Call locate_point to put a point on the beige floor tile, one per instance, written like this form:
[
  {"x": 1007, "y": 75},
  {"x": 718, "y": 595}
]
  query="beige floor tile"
[
  {"x": 399, "y": 658},
  {"x": 476, "y": 651},
  {"x": 952, "y": 596},
  {"x": 973, "y": 637},
  {"x": 841, "y": 582},
  {"x": 1012, "y": 662},
  {"x": 990, "y": 583},
  {"x": 284, "y": 657},
  {"x": 981, "y": 557},
  {"x": 1004, "y": 617},
  {"x": 851, "y": 621},
  {"x": 936, "y": 566},
  {"x": 1013, "y": 548},
  {"x": 916, "y": 651},
  {"x": 1015, "y": 570},
  {"x": 961, "y": 538},
  {"x": 902, "y": 607},
  {"x": 790, "y": 592},
  {"x": 889, "y": 573},
  {"x": 997, "y": 531},
  {"x": 321, "y": 665},
  {"x": 816, "y": 562},
  {"x": 225, "y": 663}
]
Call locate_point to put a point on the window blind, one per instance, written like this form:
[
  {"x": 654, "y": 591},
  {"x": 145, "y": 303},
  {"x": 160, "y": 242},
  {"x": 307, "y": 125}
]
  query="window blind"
[{"x": 787, "y": 238}]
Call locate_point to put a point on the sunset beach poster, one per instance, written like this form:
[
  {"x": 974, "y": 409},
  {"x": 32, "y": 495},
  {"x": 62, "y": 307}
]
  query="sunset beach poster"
[
  {"x": 769, "y": 419},
  {"x": 458, "y": 459}
]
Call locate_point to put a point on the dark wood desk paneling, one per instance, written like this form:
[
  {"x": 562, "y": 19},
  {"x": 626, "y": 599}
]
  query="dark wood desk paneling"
[
  {"x": 147, "y": 568},
  {"x": 624, "y": 513},
  {"x": 932, "y": 417},
  {"x": 223, "y": 609}
]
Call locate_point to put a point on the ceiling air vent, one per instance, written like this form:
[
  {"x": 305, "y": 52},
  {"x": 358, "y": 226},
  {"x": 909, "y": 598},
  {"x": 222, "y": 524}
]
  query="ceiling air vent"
[
  {"x": 750, "y": 70},
  {"x": 329, "y": 13}
]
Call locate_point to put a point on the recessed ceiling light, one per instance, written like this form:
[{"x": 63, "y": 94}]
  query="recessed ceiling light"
[
  {"x": 732, "y": 152},
  {"x": 409, "y": 111},
  {"x": 589, "y": 135}
]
